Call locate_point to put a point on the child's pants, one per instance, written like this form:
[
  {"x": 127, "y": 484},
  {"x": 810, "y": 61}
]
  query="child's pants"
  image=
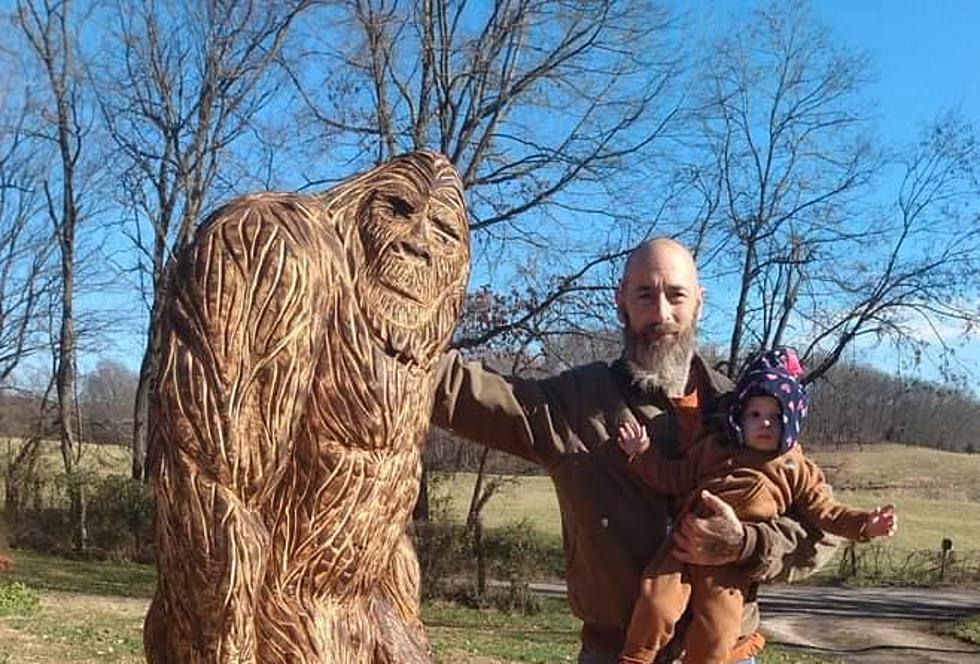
[{"x": 715, "y": 596}]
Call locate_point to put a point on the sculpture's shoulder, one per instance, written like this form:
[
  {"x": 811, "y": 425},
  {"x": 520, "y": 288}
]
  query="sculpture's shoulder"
[
  {"x": 298, "y": 220},
  {"x": 262, "y": 241}
]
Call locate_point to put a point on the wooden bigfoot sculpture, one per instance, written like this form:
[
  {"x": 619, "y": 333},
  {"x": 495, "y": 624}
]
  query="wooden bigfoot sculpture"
[{"x": 300, "y": 340}]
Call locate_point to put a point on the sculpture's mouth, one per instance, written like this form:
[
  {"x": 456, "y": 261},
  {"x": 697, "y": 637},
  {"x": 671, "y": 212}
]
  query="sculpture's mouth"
[
  {"x": 400, "y": 355},
  {"x": 401, "y": 291}
]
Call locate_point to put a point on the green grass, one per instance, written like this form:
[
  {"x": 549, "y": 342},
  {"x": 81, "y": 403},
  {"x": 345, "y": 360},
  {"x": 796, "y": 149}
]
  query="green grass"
[
  {"x": 99, "y": 460},
  {"x": 110, "y": 579},
  {"x": 549, "y": 636},
  {"x": 16, "y": 598},
  {"x": 524, "y": 497},
  {"x": 781, "y": 655},
  {"x": 967, "y": 629},
  {"x": 97, "y": 635},
  {"x": 109, "y": 629},
  {"x": 936, "y": 494},
  {"x": 903, "y": 471}
]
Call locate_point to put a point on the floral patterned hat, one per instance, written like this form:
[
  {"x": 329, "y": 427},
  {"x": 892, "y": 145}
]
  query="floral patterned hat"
[{"x": 773, "y": 373}]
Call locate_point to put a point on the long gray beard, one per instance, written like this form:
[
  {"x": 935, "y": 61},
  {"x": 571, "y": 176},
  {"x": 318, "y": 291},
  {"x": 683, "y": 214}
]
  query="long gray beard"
[{"x": 660, "y": 366}]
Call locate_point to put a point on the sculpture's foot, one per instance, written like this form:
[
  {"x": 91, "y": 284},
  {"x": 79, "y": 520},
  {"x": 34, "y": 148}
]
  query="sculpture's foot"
[{"x": 400, "y": 640}]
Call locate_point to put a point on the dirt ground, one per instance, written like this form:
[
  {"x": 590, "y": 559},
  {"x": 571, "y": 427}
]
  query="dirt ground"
[
  {"x": 861, "y": 626},
  {"x": 65, "y": 620}
]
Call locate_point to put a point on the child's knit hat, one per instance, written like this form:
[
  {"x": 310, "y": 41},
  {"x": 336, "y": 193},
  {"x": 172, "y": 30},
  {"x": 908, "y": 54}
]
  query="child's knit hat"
[{"x": 773, "y": 373}]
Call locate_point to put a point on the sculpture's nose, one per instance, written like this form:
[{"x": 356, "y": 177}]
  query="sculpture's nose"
[
  {"x": 416, "y": 242},
  {"x": 413, "y": 249}
]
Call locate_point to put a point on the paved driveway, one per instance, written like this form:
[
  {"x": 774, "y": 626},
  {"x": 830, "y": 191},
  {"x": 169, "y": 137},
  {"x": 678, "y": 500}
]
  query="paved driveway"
[{"x": 870, "y": 625}]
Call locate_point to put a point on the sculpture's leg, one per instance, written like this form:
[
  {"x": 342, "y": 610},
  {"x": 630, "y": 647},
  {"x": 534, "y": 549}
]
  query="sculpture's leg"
[
  {"x": 211, "y": 559},
  {"x": 396, "y": 609},
  {"x": 241, "y": 328}
]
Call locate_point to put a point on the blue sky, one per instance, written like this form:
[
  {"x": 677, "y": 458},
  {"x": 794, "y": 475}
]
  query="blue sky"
[
  {"x": 927, "y": 56},
  {"x": 925, "y": 59}
]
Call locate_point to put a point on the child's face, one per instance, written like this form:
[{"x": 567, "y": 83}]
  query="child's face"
[{"x": 762, "y": 424}]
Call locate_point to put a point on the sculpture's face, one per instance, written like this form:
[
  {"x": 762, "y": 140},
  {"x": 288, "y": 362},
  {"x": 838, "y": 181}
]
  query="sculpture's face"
[{"x": 414, "y": 234}]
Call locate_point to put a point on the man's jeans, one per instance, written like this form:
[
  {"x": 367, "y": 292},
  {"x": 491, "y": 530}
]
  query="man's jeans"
[{"x": 585, "y": 657}]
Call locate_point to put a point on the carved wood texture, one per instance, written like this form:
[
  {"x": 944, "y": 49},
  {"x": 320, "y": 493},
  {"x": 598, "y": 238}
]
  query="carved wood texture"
[{"x": 301, "y": 335}]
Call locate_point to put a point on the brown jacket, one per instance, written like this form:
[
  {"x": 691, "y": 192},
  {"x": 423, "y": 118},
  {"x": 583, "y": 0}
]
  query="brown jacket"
[
  {"x": 612, "y": 523},
  {"x": 758, "y": 485}
]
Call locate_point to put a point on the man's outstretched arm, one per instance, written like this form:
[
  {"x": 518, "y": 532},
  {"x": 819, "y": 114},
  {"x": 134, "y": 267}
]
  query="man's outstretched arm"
[{"x": 505, "y": 413}]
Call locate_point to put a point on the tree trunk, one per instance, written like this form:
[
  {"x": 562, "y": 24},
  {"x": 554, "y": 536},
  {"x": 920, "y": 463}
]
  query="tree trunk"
[
  {"x": 421, "y": 511},
  {"x": 67, "y": 413},
  {"x": 145, "y": 391},
  {"x": 481, "y": 558},
  {"x": 735, "y": 346}
]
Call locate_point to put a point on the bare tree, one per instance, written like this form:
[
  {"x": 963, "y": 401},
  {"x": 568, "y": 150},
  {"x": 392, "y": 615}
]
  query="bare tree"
[
  {"x": 107, "y": 398},
  {"x": 49, "y": 29},
  {"x": 554, "y": 112},
  {"x": 784, "y": 131},
  {"x": 190, "y": 84},
  {"x": 917, "y": 280},
  {"x": 26, "y": 239}
]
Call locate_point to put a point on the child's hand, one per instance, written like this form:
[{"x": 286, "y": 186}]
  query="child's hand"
[
  {"x": 883, "y": 522},
  {"x": 633, "y": 439}
]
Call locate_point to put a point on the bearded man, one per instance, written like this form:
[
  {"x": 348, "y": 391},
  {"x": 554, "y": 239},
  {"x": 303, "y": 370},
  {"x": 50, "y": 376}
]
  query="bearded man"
[{"x": 612, "y": 524}]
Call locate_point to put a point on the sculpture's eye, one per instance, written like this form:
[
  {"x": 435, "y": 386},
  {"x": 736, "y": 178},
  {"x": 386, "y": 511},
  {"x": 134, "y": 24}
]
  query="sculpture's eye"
[
  {"x": 400, "y": 207},
  {"x": 445, "y": 231}
]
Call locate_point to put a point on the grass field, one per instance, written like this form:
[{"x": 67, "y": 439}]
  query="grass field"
[
  {"x": 92, "y": 612},
  {"x": 936, "y": 494}
]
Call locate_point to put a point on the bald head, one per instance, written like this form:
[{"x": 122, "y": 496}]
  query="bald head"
[
  {"x": 658, "y": 302},
  {"x": 666, "y": 252}
]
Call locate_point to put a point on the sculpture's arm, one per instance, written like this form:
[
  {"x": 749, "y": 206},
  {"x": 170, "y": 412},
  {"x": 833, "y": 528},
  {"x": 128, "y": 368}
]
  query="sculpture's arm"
[{"x": 241, "y": 332}]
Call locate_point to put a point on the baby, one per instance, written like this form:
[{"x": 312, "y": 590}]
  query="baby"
[{"x": 762, "y": 473}]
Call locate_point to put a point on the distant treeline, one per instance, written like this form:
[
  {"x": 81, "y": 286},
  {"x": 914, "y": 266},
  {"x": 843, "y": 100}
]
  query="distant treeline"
[
  {"x": 859, "y": 404},
  {"x": 850, "y": 404}
]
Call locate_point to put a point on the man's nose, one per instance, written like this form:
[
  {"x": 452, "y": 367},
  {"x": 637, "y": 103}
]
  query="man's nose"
[{"x": 660, "y": 310}]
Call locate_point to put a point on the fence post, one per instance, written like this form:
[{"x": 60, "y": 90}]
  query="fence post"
[{"x": 945, "y": 548}]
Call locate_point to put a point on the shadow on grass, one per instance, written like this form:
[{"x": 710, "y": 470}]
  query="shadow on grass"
[{"x": 111, "y": 579}]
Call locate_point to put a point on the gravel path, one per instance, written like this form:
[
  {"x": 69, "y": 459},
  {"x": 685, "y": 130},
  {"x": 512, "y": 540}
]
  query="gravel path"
[
  {"x": 863, "y": 625},
  {"x": 870, "y": 625}
]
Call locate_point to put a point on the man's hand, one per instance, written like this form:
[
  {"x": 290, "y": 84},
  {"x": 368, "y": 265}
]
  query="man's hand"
[
  {"x": 633, "y": 439},
  {"x": 883, "y": 522},
  {"x": 712, "y": 540}
]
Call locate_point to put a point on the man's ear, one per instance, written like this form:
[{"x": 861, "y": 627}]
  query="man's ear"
[
  {"x": 621, "y": 304},
  {"x": 697, "y": 317}
]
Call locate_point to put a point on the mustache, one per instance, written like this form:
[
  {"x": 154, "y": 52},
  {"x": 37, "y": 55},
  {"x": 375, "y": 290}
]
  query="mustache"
[{"x": 657, "y": 329}]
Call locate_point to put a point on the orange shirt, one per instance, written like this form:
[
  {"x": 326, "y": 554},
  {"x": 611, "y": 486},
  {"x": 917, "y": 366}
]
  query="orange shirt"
[{"x": 688, "y": 413}]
